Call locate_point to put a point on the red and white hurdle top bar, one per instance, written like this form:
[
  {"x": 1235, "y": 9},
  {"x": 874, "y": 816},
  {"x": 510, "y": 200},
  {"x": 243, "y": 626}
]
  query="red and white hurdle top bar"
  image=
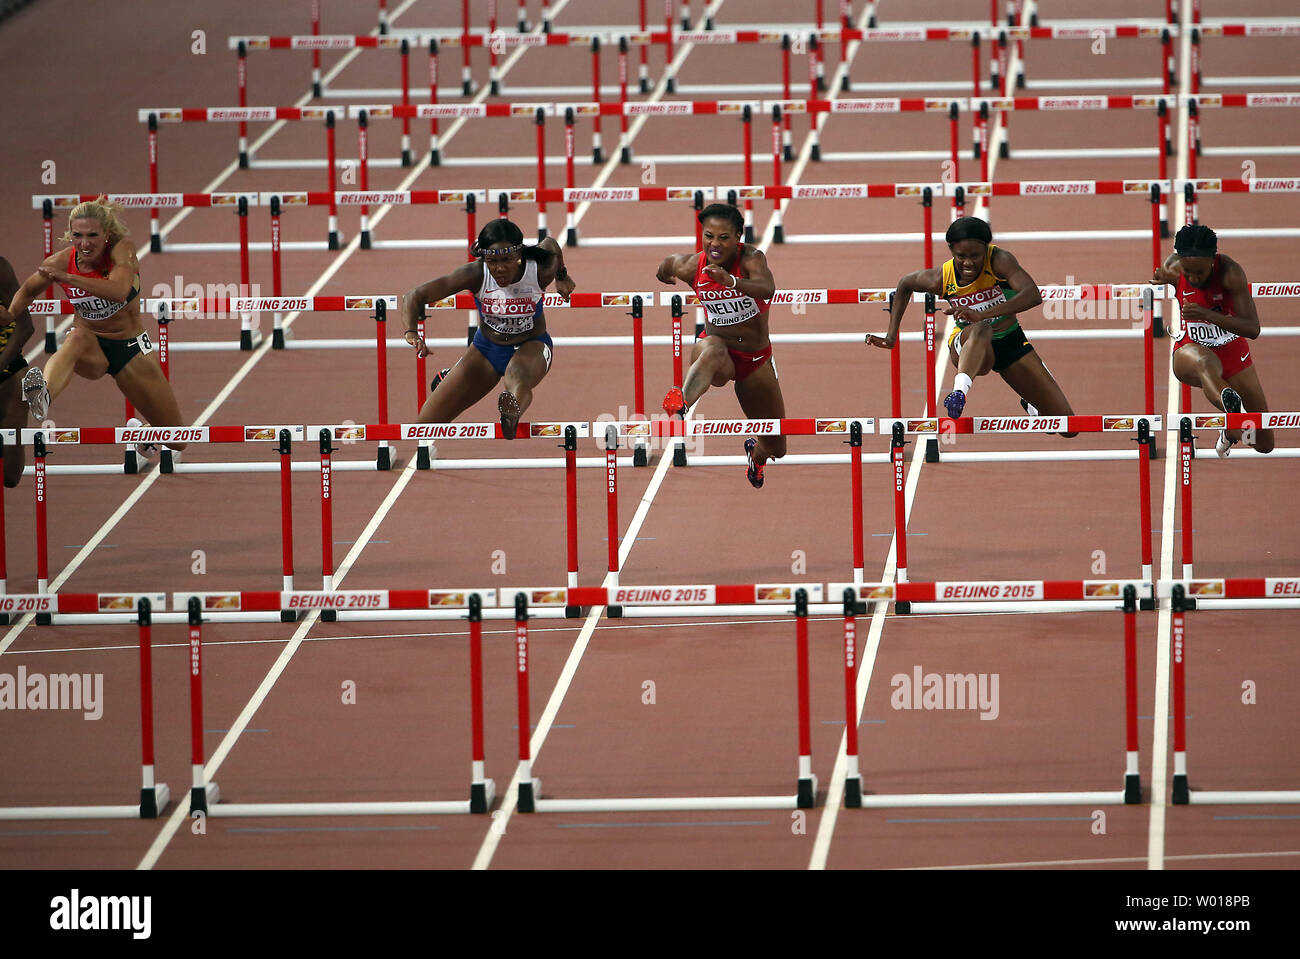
[
  {"x": 774, "y": 594},
  {"x": 686, "y": 194},
  {"x": 1153, "y": 29},
  {"x": 1268, "y": 587},
  {"x": 586, "y": 108},
  {"x": 190, "y": 307},
  {"x": 661, "y": 427}
]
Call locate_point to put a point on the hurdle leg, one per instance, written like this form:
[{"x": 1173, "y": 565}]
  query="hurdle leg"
[
  {"x": 896, "y": 444},
  {"x": 855, "y": 493},
  {"x": 1181, "y": 790},
  {"x": 1132, "y": 777},
  {"x": 42, "y": 528},
  {"x": 853, "y": 778},
  {"x": 571, "y": 513},
  {"x": 806, "y": 789},
  {"x": 530, "y": 789},
  {"x": 326, "y": 522},
  {"x": 154, "y": 796},
  {"x": 611, "y": 473},
  {"x": 482, "y": 791},
  {"x": 286, "y": 521},
  {"x": 202, "y": 793}
]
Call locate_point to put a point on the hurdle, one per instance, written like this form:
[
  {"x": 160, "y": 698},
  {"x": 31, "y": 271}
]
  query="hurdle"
[
  {"x": 1187, "y": 453},
  {"x": 1103, "y": 595},
  {"x": 205, "y": 795},
  {"x": 284, "y": 435},
  {"x": 946, "y": 428},
  {"x": 847, "y": 429},
  {"x": 154, "y": 796},
  {"x": 530, "y": 795},
  {"x": 153, "y": 116},
  {"x": 1186, "y": 595}
]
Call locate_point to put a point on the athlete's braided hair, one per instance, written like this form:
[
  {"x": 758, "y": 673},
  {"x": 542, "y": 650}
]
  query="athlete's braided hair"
[{"x": 502, "y": 230}]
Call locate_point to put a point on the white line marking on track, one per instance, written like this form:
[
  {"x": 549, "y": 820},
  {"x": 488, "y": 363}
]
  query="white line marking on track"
[
  {"x": 1164, "y": 624},
  {"x": 492, "y": 839},
  {"x": 835, "y": 787}
]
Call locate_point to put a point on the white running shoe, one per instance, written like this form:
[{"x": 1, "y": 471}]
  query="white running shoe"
[
  {"x": 1224, "y": 446},
  {"x": 36, "y": 393},
  {"x": 146, "y": 451}
]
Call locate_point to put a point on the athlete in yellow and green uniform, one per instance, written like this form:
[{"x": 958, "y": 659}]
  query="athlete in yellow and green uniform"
[{"x": 986, "y": 289}]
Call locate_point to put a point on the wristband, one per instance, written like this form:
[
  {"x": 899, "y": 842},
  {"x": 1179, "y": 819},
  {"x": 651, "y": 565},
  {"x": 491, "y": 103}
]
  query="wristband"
[{"x": 733, "y": 281}]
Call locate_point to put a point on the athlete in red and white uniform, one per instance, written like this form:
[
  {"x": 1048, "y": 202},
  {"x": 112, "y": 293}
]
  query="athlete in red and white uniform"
[
  {"x": 100, "y": 276},
  {"x": 735, "y": 289},
  {"x": 511, "y": 345},
  {"x": 1218, "y": 319}
]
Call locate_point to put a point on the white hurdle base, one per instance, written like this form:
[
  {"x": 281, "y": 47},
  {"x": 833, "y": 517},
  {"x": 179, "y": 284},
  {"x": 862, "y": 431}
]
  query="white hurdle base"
[
  {"x": 994, "y": 799},
  {"x": 482, "y": 794},
  {"x": 670, "y": 804},
  {"x": 1252, "y": 797},
  {"x": 413, "y": 808},
  {"x": 531, "y": 800},
  {"x": 152, "y": 803}
]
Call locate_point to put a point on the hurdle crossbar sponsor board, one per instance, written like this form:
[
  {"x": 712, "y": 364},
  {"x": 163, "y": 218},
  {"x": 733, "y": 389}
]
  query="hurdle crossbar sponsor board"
[
  {"x": 1241, "y": 421},
  {"x": 992, "y": 590},
  {"x": 66, "y": 201},
  {"x": 355, "y": 600},
  {"x": 834, "y": 425},
  {"x": 1267, "y": 587},
  {"x": 1118, "y": 423}
]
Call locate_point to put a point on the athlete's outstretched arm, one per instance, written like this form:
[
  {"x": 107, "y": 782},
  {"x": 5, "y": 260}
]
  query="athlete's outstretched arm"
[
  {"x": 922, "y": 281},
  {"x": 464, "y": 279}
]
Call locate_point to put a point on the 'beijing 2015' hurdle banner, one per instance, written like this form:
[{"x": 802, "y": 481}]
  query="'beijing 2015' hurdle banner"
[
  {"x": 838, "y": 426},
  {"x": 232, "y": 601},
  {"x": 992, "y": 590},
  {"x": 1121, "y": 423}
]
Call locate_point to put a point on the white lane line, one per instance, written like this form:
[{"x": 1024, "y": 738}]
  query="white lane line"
[
  {"x": 152, "y": 476},
  {"x": 1164, "y": 623},
  {"x": 501, "y": 817},
  {"x": 866, "y": 666},
  {"x": 510, "y": 800},
  {"x": 181, "y": 812}
]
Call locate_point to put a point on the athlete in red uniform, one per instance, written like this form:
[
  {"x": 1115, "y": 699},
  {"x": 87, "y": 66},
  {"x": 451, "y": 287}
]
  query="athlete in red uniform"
[
  {"x": 1218, "y": 317},
  {"x": 735, "y": 289},
  {"x": 100, "y": 276}
]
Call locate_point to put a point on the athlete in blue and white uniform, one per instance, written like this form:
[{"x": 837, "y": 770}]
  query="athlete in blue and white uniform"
[{"x": 507, "y": 280}]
